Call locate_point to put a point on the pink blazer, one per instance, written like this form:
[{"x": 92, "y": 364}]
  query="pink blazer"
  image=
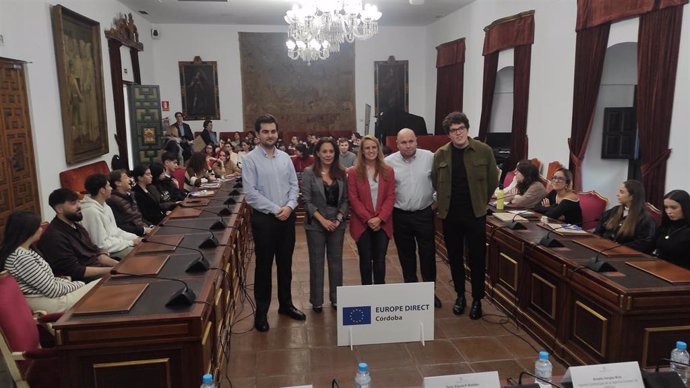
[{"x": 361, "y": 208}]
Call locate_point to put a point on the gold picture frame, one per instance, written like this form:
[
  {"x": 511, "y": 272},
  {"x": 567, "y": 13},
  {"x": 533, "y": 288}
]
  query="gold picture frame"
[{"x": 80, "y": 78}]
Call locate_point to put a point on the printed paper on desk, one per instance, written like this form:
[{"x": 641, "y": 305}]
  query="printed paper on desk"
[
  {"x": 617, "y": 375},
  {"x": 202, "y": 193},
  {"x": 469, "y": 380}
]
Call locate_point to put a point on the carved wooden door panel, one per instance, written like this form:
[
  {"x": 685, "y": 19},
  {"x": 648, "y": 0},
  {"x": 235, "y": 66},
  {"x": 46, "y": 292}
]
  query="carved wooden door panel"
[{"x": 18, "y": 187}]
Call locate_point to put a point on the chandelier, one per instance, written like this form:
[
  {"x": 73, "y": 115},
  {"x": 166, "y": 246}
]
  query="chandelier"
[{"x": 318, "y": 28}]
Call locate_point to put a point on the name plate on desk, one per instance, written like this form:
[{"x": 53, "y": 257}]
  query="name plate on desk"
[
  {"x": 385, "y": 313},
  {"x": 618, "y": 375},
  {"x": 469, "y": 380}
]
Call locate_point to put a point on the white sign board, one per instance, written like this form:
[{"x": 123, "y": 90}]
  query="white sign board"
[
  {"x": 469, "y": 380},
  {"x": 385, "y": 313},
  {"x": 618, "y": 375}
]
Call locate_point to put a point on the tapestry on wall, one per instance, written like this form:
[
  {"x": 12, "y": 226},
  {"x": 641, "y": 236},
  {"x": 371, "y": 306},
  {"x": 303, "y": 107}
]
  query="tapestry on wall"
[{"x": 304, "y": 98}]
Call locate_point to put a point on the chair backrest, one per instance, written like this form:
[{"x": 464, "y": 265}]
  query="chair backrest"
[
  {"x": 593, "y": 205},
  {"x": 74, "y": 178},
  {"x": 654, "y": 212},
  {"x": 536, "y": 163},
  {"x": 553, "y": 166},
  {"x": 16, "y": 319},
  {"x": 179, "y": 175},
  {"x": 510, "y": 175}
]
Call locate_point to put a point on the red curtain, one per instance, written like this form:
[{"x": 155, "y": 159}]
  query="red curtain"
[
  {"x": 657, "y": 62},
  {"x": 490, "y": 69},
  {"x": 450, "y": 64},
  {"x": 592, "y": 13},
  {"x": 590, "y": 51},
  {"x": 505, "y": 33},
  {"x": 520, "y": 144}
]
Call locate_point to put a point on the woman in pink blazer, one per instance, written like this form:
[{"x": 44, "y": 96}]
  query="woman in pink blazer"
[{"x": 371, "y": 181}]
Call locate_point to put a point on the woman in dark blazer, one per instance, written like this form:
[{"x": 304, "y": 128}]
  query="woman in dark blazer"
[
  {"x": 324, "y": 192},
  {"x": 371, "y": 191},
  {"x": 672, "y": 241},
  {"x": 147, "y": 201},
  {"x": 629, "y": 223}
]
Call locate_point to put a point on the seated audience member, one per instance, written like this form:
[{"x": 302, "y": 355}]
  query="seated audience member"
[
  {"x": 235, "y": 142},
  {"x": 171, "y": 143},
  {"x": 231, "y": 154},
  {"x": 673, "y": 237},
  {"x": 124, "y": 207},
  {"x": 210, "y": 156},
  {"x": 66, "y": 245},
  {"x": 347, "y": 158},
  {"x": 197, "y": 172},
  {"x": 208, "y": 135},
  {"x": 162, "y": 186},
  {"x": 529, "y": 190},
  {"x": 562, "y": 203},
  {"x": 99, "y": 219},
  {"x": 170, "y": 164},
  {"x": 224, "y": 167},
  {"x": 147, "y": 196},
  {"x": 629, "y": 223},
  {"x": 302, "y": 158},
  {"x": 42, "y": 289}
]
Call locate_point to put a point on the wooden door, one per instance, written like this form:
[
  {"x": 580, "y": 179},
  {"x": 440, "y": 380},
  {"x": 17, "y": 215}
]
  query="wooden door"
[
  {"x": 18, "y": 187},
  {"x": 145, "y": 123}
]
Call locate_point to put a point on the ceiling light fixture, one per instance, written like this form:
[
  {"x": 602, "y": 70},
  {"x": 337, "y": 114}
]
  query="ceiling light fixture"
[{"x": 317, "y": 28}]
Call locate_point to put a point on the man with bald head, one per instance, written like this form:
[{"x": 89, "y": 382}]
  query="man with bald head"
[{"x": 413, "y": 214}]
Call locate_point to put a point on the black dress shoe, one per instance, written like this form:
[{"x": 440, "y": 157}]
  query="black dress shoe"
[
  {"x": 293, "y": 313},
  {"x": 476, "y": 310},
  {"x": 437, "y": 302},
  {"x": 317, "y": 309},
  {"x": 459, "y": 306},
  {"x": 261, "y": 323}
]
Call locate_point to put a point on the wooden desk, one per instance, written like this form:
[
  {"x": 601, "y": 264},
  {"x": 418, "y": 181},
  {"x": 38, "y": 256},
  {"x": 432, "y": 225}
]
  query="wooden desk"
[
  {"x": 581, "y": 316},
  {"x": 152, "y": 345}
]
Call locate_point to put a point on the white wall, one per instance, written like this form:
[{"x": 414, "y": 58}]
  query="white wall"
[
  {"x": 551, "y": 86},
  {"x": 27, "y": 29},
  {"x": 181, "y": 42},
  {"x": 502, "y": 106}
]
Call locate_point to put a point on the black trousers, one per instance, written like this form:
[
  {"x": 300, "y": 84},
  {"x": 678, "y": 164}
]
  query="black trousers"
[
  {"x": 272, "y": 238},
  {"x": 415, "y": 231},
  {"x": 372, "y": 247},
  {"x": 458, "y": 231}
]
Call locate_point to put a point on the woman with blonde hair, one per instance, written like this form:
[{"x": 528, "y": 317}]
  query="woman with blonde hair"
[
  {"x": 629, "y": 223},
  {"x": 371, "y": 192}
]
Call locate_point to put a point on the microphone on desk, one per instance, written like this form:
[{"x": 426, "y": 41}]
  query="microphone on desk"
[
  {"x": 210, "y": 242},
  {"x": 515, "y": 225},
  {"x": 218, "y": 225},
  {"x": 200, "y": 264},
  {"x": 597, "y": 265},
  {"x": 535, "y": 385},
  {"x": 182, "y": 297}
]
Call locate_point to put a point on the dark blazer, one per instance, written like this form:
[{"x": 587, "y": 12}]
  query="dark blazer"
[
  {"x": 149, "y": 204},
  {"x": 314, "y": 197},
  {"x": 643, "y": 238},
  {"x": 363, "y": 210},
  {"x": 207, "y": 138},
  {"x": 185, "y": 131}
]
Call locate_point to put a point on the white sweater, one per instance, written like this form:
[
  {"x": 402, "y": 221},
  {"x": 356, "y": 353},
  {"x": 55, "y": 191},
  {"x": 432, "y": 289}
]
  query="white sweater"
[{"x": 99, "y": 221}]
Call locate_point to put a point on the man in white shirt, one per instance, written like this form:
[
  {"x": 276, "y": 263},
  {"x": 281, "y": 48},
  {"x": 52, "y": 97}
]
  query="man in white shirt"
[
  {"x": 413, "y": 214},
  {"x": 99, "y": 219}
]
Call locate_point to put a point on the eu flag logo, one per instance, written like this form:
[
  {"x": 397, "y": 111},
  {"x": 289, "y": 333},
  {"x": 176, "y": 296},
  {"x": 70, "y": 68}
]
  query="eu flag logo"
[{"x": 357, "y": 315}]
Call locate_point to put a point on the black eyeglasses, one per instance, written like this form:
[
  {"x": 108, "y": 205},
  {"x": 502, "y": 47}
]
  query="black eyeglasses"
[{"x": 558, "y": 178}]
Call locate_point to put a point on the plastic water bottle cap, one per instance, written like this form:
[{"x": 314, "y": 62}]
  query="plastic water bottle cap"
[
  {"x": 207, "y": 379},
  {"x": 363, "y": 367},
  {"x": 681, "y": 345},
  {"x": 543, "y": 355}
]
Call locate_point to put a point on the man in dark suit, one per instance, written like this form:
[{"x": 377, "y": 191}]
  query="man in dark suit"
[{"x": 186, "y": 135}]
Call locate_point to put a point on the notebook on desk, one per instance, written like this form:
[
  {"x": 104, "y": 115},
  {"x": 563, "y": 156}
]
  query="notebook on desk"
[
  {"x": 167, "y": 243},
  {"x": 508, "y": 217},
  {"x": 663, "y": 270},
  {"x": 111, "y": 299},
  {"x": 141, "y": 265},
  {"x": 565, "y": 229}
]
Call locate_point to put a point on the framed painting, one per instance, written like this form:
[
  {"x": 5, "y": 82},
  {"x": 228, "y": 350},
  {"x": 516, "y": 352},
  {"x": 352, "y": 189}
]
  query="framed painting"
[
  {"x": 391, "y": 85},
  {"x": 199, "y": 87},
  {"x": 80, "y": 78}
]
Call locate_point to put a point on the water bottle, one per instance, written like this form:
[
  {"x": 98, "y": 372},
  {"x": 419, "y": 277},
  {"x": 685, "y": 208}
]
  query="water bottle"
[
  {"x": 207, "y": 381},
  {"x": 543, "y": 369},
  {"x": 362, "y": 378},
  {"x": 500, "y": 196},
  {"x": 680, "y": 354}
]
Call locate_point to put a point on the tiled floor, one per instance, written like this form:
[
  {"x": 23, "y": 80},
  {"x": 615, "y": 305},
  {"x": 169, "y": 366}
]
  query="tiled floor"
[{"x": 296, "y": 352}]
